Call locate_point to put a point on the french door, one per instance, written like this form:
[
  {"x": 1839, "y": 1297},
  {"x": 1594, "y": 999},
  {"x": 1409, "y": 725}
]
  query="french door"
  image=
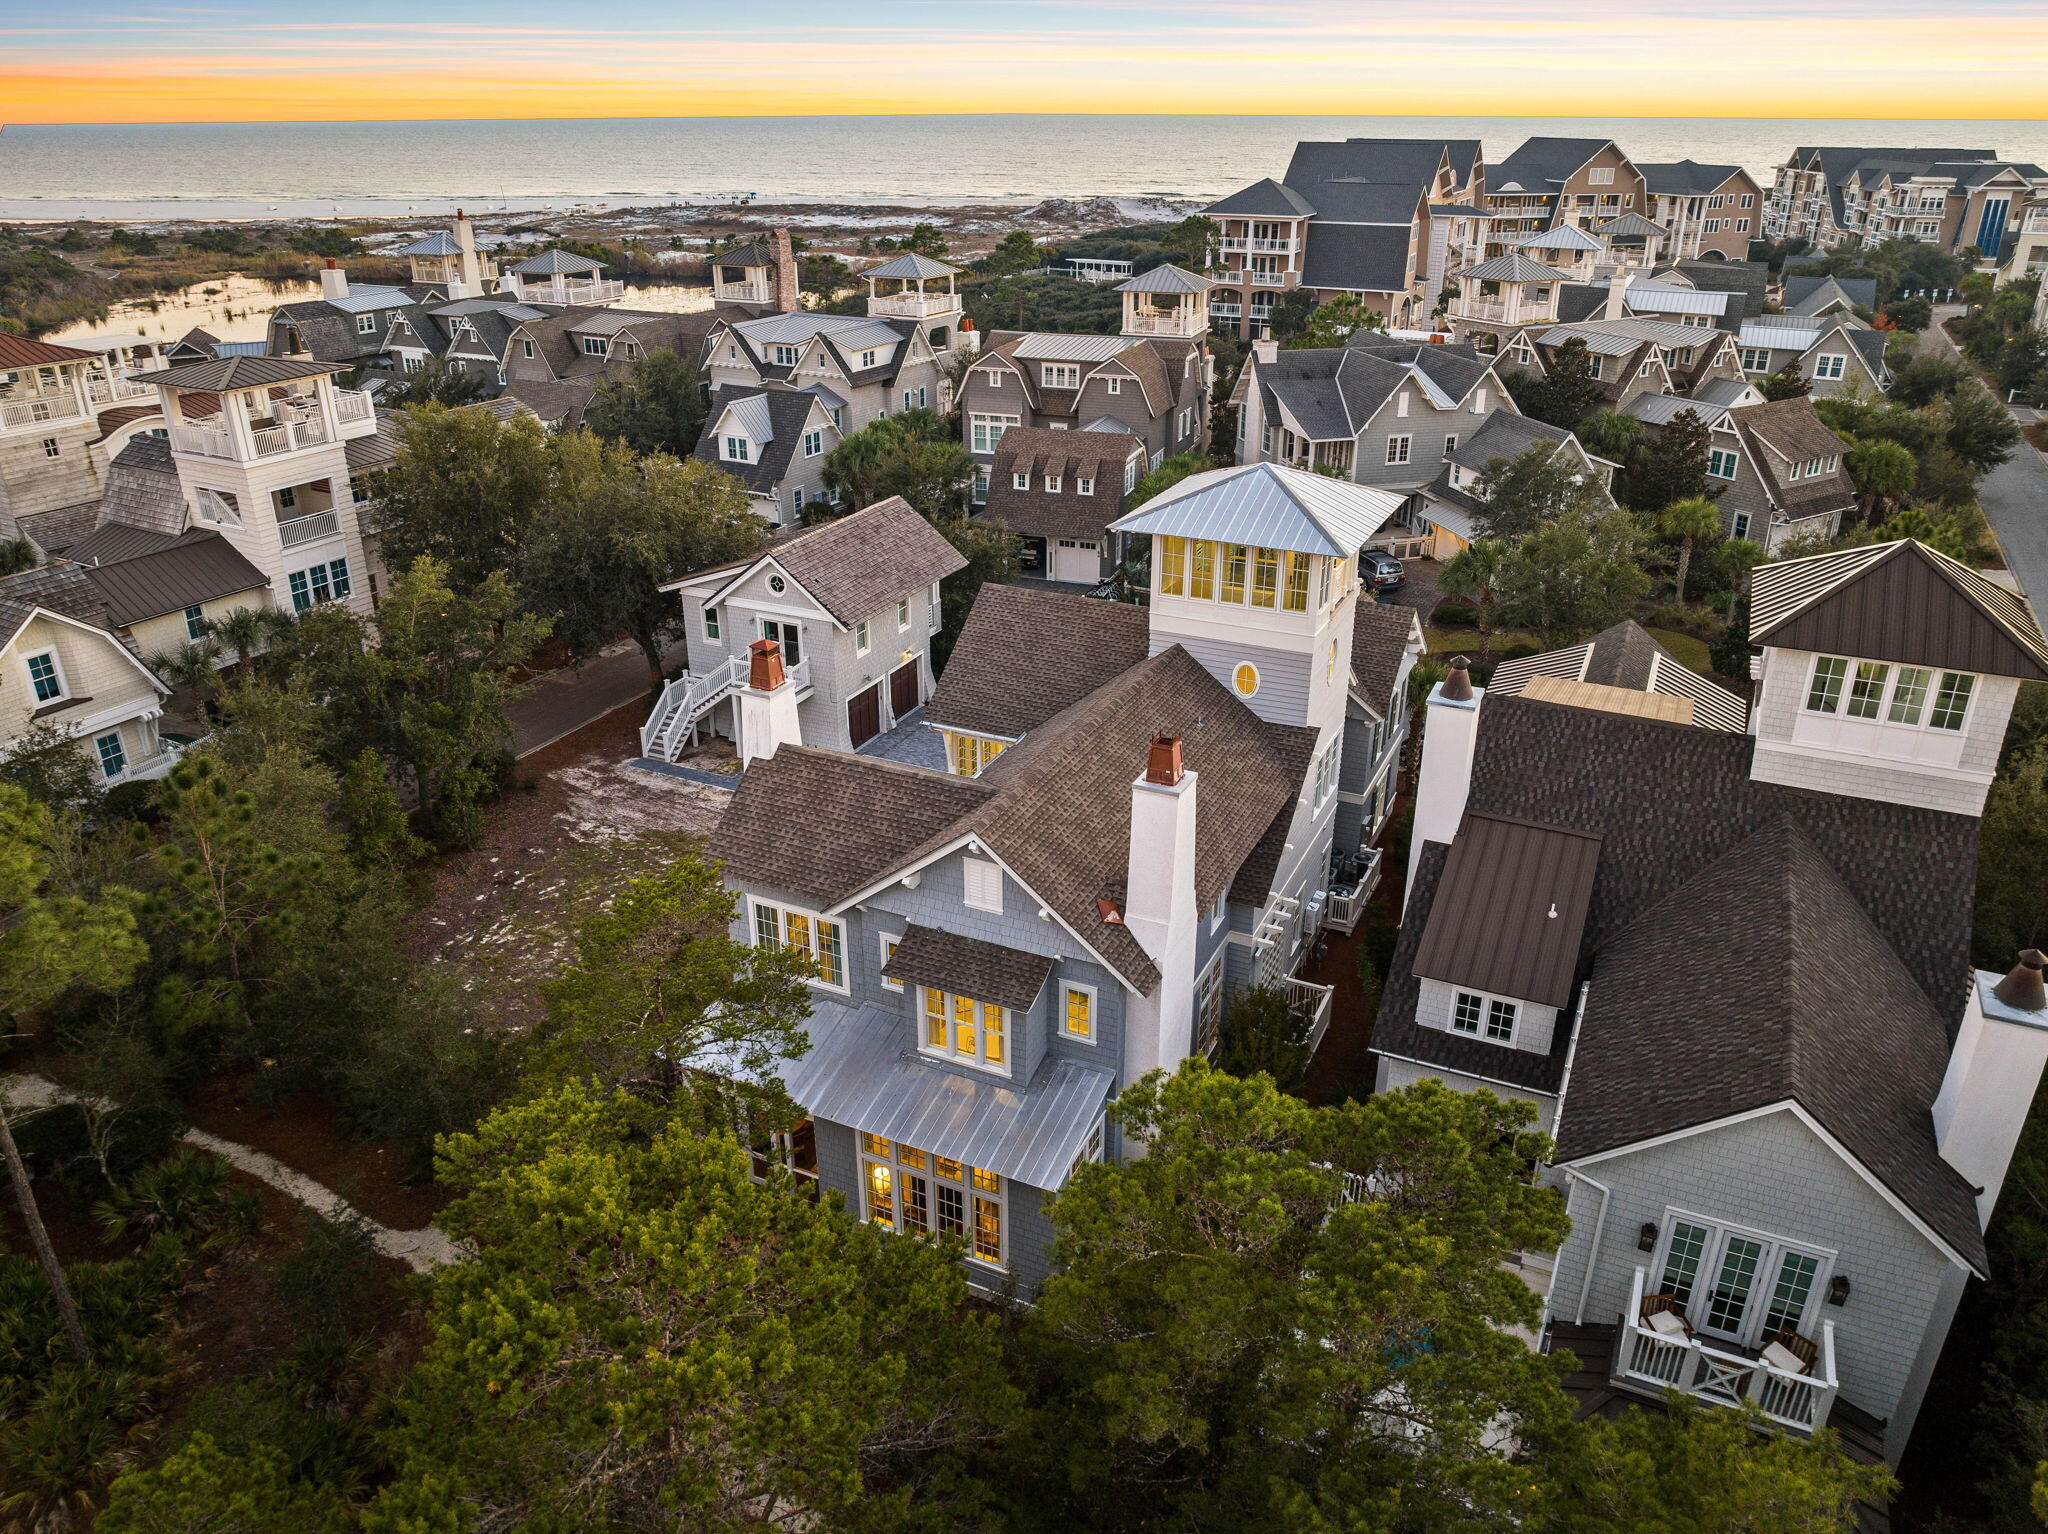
[{"x": 1739, "y": 1285}]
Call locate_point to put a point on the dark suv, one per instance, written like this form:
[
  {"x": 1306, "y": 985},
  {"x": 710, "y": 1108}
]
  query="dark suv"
[{"x": 1382, "y": 572}]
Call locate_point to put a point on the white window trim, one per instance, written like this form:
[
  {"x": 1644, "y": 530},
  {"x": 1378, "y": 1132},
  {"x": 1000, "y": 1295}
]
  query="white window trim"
[
  {"x": 711, "y": 625},
  {"x": 998, "y": 1197},
  {"x": 1400, "y": 449},
  {"x": 902, "y": 614},
  {"x": 56, "y": 671},
  {"x": 1888, "y": 688},
  {"x": 1094, "y": 1033},
  {"x": 1758, "y": 1304},
  {"x": 887, "y": 948},
  {"x": 1488, "y": 1001},
  {"x": 978, "y": 1061},
  {"x": 782, "y": 909},
  {"x": 863, "y": 641}
]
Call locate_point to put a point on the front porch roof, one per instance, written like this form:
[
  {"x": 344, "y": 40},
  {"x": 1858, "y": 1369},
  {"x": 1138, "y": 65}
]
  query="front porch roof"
[{"x": 859, "y": 1072}]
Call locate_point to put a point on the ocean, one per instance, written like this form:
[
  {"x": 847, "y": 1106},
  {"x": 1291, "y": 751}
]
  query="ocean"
[{"x": 392, "y": 169}]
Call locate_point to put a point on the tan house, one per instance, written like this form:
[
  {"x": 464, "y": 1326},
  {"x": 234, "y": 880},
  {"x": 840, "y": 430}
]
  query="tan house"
[
  {"x": 1553, "y": 181},
  {"x": 1711, "y": 211}
]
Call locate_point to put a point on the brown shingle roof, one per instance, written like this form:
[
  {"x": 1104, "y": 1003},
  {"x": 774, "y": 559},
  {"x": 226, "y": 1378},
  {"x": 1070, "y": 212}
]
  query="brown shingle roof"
[
  {"x": 967, "y": 966},
  {"x": 1025, "y": 654},
  {"x": 855, "y": 566},
  {"x": 1380, "y": 635},
  {"x": 1037, "y": 451}
]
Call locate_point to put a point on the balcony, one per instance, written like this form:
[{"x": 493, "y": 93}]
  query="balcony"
[
  {"x": 1352, "y": 882},
  {"x": 912, "y": 306},
  {"x": 1263, "y": 247},
  {"x": 572, "y": 291},
  {"x": 1311, "y": 1001},
  {"x": 353, "y": 405},
  {"x": 291, "y": 433},
  {"x": 741, "y": 292},
  {"x": 1724, "y": 1375},
  {"x": 113, "y": 389},
  {"x": 1226, "y": 311},
  {"x": 33, "y": 411},
  {"x": 308, "y": 529},
  {"x": 1267, "y": 279},
  {"x": 1186, "y": 322}
]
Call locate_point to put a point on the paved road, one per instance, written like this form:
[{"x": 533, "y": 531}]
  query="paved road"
[
  {"x": 561, "y": 702},
  {"x": 2015, "y": 500}
]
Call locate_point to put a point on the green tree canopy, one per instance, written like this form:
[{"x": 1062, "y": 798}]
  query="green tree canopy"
[
  {"x": 656, "y": 406},
  {"x": 1335, "y": 321},
  {"x": 1787, "y": 383},
  {"x": 435, "y": 382},
  {"x": 1292, "y": 1318},
  {"x": 1473, "y": 575},
  {"x": 1674, "y": 468},
  {"x": 206, "y": 1489},
  {"x": 1573, "y": 577},
  {"x": 1688, "y": 523},
  {"x": 465, "y": 488},
  {"x": 645, "y": 1337},
  {"x": 619, "y": 526},
  {"x": 1883, "y": 471},
  {"x": 1515, "y": 496},
  {"x": 912, "y": 454},
  {"x": 1566, "y": 392}
]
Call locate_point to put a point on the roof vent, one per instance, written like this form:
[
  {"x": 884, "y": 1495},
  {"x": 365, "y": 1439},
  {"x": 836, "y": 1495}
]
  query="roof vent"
[
  {"x": 2022, "y": 989},
  {"x": 764, "y": 665},
  {"x": 1163, "y": 761},
  {"x": 1457, "y": 683}
]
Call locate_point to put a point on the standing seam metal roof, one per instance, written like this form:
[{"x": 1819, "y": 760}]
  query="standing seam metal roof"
[{"x": 1270, "y": 506}]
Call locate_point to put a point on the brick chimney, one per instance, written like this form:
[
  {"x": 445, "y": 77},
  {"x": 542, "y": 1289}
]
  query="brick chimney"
[
  {"x": 784, "y": 290},
  {"x": 333, "y": 280},
  {"x": 766, "y": 706},
  {"x": 1159, "y": 908},
  {"x": 471, "y": 281},
  {"x": 1994, "y": 1070}
]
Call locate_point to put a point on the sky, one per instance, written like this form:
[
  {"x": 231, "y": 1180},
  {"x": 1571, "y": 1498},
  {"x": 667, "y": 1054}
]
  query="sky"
[{"x": 91, "y": 61}]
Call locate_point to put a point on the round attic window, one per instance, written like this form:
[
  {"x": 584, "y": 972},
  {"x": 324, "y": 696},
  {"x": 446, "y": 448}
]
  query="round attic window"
[
  {"x": 777, "y": 584},
  {"x": 1246, "y": 679}
]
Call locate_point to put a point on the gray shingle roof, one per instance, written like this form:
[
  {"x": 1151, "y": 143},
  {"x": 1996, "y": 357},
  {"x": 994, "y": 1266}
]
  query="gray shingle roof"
[
  {"x": 1367, "y": 258},
  {"x": 238, "y": 373},
  {"x": 1809, "y": 295},
  {"x": 968, "y": 966},
  {"x": 1757, "y": 1014},
  {"x": 1025, "y": 654},
  {"x": 1098, "y": 456},
  {"x": 1541, "y": 164},
  {"x": 773, "y": 418},
  {"x": 1380, "y": 636},
  {"x": 855, "y": 566},
  {"x": 1685, "y": 178},
  {"x": 1503, "y": 434},
  {"x": 1262, "y": 199}
]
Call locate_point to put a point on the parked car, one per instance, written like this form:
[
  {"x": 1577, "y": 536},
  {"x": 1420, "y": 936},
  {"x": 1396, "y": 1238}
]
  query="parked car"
[{"x": 1383, "y": 572}]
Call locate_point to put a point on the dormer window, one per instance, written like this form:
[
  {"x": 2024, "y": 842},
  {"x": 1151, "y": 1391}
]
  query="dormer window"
[
  {"x": 1914, "y": 696},
  {"x": 1060, "y": 375},
  {"x": 1084, "y": 486},
  {"x": 366, "y": 324},
  {"x": 1053, "y": 483},
  {"x": 1484, "y": 1017},
  {"x": 593, "y": 346},
  {"x": 737, "y": 450},
  {"x": 867, "y": 359},
  {"x": 1113, "y": 385},
  {"x": 785, "y": 356},
  {"x": 1020, "y": 481}
]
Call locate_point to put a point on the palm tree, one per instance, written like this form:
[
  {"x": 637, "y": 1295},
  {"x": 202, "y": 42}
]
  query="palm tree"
[
  {"x": 245, "y": 631},
  {"x": 1689, "y": 521},
  {"x": 1612, "y": 435},
  {"x": 1473, "y": 573},
  {"x": 194, "y": 668}
]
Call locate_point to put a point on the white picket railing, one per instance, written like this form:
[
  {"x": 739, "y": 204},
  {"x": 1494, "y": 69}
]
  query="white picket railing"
[
  {"x": 1314, "y": 1000},
  {"x": 1724, "y": 1377},
  {"x": 683, "y": 702},
  {"x": 37, "y": 412},
  {"x": 306, "y": 529}
]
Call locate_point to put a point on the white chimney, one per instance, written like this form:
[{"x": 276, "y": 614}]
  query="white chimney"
[
  {"x": 1160, "y": 911},
  {"x": 1266, "y": 351},
  {"x": 1450, "y": 736},
  {"x": 1617, "y": 297},
  {"x": 1993, "y": 1072},
  {"x": 767, "y": 704},
  {"x": 333, "y": 280},
  {"x": 472, "y": 281}
]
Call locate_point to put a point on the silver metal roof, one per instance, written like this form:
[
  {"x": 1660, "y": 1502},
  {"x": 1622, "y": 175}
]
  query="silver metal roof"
[
  {"x": 861, "y": 1072},
  {"x": 1662, "y": 409},
  {"x": 366, "y": 297},
  {"x": 1563, "y": 237},
  {"x": 1635, "y": 329},
  {"x": 752, "y": 415},
  {"x": 1047, "y": 346},
  {"x": 911, "y": 265},
  {"x": 1166, "y": 279},
  {"x": 556, "y": 262},
  {"x": 439, "y": 243},
  {"x": 1512, "y": 268},
  {"x": 1268, "y": 505},
  {"x": 847, "y": 331},
  {"x": 1662, "y": 299},
  {"x": 826, "y": 397},
  {"x": 1603, "y": 343},
  {"x": 1780, "y": 337}
]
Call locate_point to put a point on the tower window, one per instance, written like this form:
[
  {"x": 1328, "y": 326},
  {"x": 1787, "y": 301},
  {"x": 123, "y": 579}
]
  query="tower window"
[{"x": 1245, "y": 679}]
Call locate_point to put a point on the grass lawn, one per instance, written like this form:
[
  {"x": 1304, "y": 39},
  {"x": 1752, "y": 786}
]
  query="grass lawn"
[{"x": 1693, "y": 652}]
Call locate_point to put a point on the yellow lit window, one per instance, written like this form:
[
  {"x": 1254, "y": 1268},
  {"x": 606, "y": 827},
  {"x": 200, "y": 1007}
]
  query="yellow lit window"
[
  {"x": 966, "y": 756},
  {"x": 1330, "y": 666},
  {"x": 1202, "y": 570},
  {"x": 987, "y": 1181},
  {"x": 1173, "y": 566},
  {"x": 1246, "y": 679},
  {"x": 796, "y": 930},
  {"x": 1297, "y": 583},
  {"x": 988, "y": 1230},
  {"x": 1265, "y": 574},
  {"x": 1080, "y": 1012},
  {"x": 963, "y": 1027},
  {"x": 910, "y": 1156},
  {"x": 991, "y": 1033},
  {"x": 990, "y": 750},
  {"x": 946, "y": 1168},
  {"x": 874, "y": 1145},
  {"x": 934, "y": 1018},
  {"x": 1233, "y": 572},
  {"x": 881, "y": 1194}
]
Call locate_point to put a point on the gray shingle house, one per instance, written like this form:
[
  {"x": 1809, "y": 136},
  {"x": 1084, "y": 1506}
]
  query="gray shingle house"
[
  {"x": 1775, "y": 470},
  {"x": 1059, "y": 491},
  {"x": 861, "y": 368},
  {"x": 772, "y": 439},
  {"x": 1835, "y": 352},
  {"x": 1725, "y": 951},
  {"x": 1139, "y": 813},
  {"x": 851, "y": 605}
]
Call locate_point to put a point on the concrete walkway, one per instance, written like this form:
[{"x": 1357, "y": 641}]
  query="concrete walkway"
[
  {"x": 562, "y": 702},
  {"x": 909, "y": 743},
  {"x": 419, "y": 1250},
  {"x": 2014, "y": 496}
]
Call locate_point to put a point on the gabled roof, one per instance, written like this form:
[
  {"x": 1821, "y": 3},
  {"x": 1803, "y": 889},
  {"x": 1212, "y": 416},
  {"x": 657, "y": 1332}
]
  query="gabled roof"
[
  {"x": 193, "y": 568},
  {"x": 968, "y": 966},
  {"x": 1166, "y": 279},
  {"x": 1809, "y": 296},
  {"x": 1511, "y": 268},
  {"x": 1901, "y": 602},
  {"x": 1269, "y": 505},
  {"x": 1782, "y": 433},
  {"x": 1631, "y": 226},
  {"x": 1503, "y": 434},
  {"x": 855, "y": 566},
  {"x": 772, "y": 418},
  {"x": 238, "y": 373},
  {"x": 912, "y": 265},
  {"x": 1025, "y": 654},
  {"x": 1511, "y": 909},
  {"x": 1685, "y": 178},
  {"x": 1262, "y": 199},
  {"x": 1542, "y": 164},
  {"x": 1627, "y": 657},
  {"x": 1563, "y": 237},
  {"x": 552, "y": 263},
  {"x": 1795, "y": 995},
  {"x": 23, "y": 352},
  {"x": 1334, "y": 392}
]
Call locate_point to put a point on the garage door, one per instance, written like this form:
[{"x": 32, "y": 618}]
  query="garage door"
[
  {"x": 1077, "y": 559},
  {"x": 864, "y": 715},
  {"x": 903, "y": 689}
]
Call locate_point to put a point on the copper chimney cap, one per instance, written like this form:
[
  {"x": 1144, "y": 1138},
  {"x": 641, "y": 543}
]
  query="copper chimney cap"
[
  {"x": 764, "y": 665},
  {"x": 2022, "y": 989},
  {"x": 1163, "y": 762},
  {"x": 1457, "y": 684}
]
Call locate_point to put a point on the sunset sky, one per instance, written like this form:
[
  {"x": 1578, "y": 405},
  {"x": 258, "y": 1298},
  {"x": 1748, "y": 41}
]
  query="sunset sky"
[{"x": 381, "y": 59}]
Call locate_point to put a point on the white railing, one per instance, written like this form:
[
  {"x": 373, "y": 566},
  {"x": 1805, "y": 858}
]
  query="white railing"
[
  {"x": 1347, "y": 901},
  {"x": 314, "y": 525},
  {"x": 289, "y": 434},
  {"x": 800, "y": 676},
  {"x": 741, "y": 292},
  {"x": 590, "y": 290},
  {"x": 39, "y": 412},
  {"x": 1722, "y": 1376},
  {"x": 206, "y": 441},
  {"x": 1268, "y": 279},
  {"x": 1313, "y": 1000},
  {"x": 106, "y": 390},
  {"x": 912, "y": 306},
  {"x": 1177, "y": 322},
  {"x": 1274, "y": 247},
  {"x": 353, "y": 405},
  {"x": 1226, "y": 311},
  {"x": 683, "y": 702}
]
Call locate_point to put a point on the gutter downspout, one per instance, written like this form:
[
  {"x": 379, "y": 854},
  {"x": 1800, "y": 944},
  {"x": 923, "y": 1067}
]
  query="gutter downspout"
[{"x": 1573, "y": 1174}]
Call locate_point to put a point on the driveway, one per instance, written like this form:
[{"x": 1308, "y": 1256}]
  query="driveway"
[
  {"x": 562, "y": 702},
  {"x": 2015, "y": 498}
]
